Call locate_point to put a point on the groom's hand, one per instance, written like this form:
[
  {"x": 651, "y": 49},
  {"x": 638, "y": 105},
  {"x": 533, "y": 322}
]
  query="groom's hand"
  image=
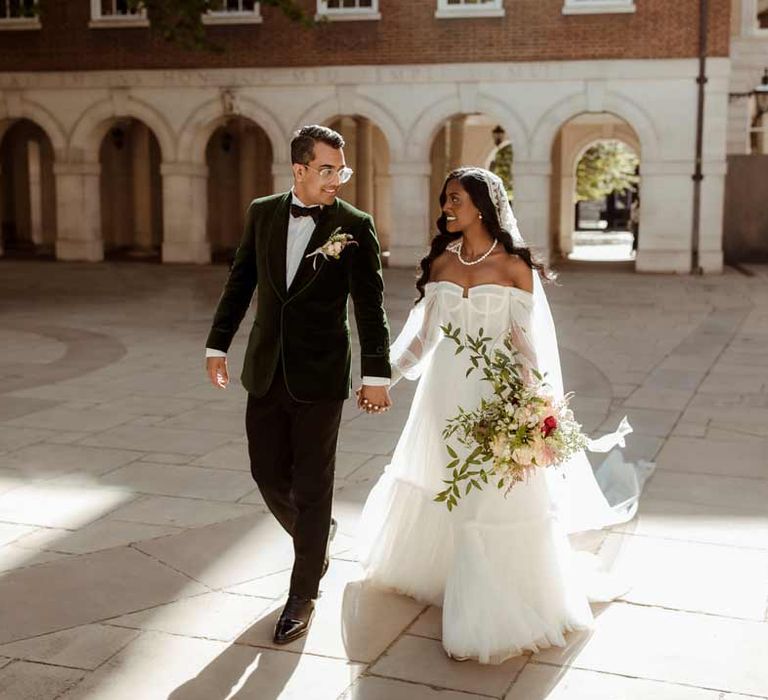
[
  {"x": 217, "y": 371},
  {"x": 373, "y": 399}
]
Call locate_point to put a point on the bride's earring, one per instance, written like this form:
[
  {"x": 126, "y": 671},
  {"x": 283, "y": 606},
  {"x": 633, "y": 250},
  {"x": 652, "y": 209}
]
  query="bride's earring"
[{"x": 479, "y": 216}]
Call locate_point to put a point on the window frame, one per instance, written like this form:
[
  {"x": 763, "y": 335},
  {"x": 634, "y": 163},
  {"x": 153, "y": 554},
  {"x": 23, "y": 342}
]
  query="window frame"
[
  {"x": 226, "y": 17},
  {"x": 18, "y": 23},
  {"x": 347, "y": 14},
  {"x": 101, "y": 21},
  {"x": 749, "y": 25},
  {"x": 597, "y": 7},
  {"x": 494, "y": 8}
]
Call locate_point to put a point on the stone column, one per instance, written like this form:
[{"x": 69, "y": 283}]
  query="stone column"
[
  {"x": 364, "y": 172},
  {"x": 439, "y": 163},
  {"x": 666, "y": 211},
  {"x": 567, "y": 213},
  {"x": 456, "y": 142},
  {"x": 2, "y": 189},
  {"x": 282, "y": 175},
  {"x": 78, "y": 211},
  {"x": 532, "y": 203},
  {"x": 382, "y": 207},
  {"x": 712, "y": 211},
  {"x": 411, "y": 228},
  {"x": 738, "y": 127},
  {"x": 34, "y": 171},
  {"x": 142, "y": 187},
  {"x": 185, "y": 205},
  {"x": 348, "y": 129},
  {"x": 247, "y": 163}
]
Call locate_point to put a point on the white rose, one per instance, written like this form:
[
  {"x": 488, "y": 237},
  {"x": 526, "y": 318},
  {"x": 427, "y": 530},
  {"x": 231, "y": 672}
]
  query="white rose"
[
  {"x": 499, "y": 443},
  {"x": 540, "y": 452},
  {"x": 523, "y": 455}
]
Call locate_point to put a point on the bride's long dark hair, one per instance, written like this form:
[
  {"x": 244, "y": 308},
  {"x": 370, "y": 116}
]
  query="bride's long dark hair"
[{"x": 477, "y": 189}]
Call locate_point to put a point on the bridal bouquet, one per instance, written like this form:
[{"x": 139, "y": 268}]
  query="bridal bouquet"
[{"x": 519, "y": 428}]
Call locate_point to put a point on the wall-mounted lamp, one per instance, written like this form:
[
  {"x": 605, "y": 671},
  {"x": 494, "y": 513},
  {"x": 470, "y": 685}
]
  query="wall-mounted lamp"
[
  {"x": 760, "y": 93},
  {"x": 118, "y": 137},
  {"x": 498, "y": 135}
]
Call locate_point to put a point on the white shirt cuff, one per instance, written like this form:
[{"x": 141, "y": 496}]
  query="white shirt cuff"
[
  {"x": 375, "y": 381},
  {"x": 211, "y": 352}
]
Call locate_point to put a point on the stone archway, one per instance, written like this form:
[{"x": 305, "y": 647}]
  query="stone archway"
[
  {"x": 463, "y": 140},
  {"x": 367, "y": 152},
  {"x": 572, "y": 141},
  {"x": 239, "y": 161},
  {"x": 27, "y": 190},
  {"x": 130, "y": 191}
]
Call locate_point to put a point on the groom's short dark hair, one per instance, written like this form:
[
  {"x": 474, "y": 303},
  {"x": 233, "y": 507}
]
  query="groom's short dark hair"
[{"x": 303, "y": 142}]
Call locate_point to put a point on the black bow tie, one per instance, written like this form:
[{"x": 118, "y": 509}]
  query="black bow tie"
[{"x": 298, "y": 211}]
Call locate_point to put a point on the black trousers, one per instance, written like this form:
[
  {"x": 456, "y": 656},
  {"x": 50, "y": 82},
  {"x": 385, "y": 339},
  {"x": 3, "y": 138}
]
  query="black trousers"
[{"x": 292, "y": 449}]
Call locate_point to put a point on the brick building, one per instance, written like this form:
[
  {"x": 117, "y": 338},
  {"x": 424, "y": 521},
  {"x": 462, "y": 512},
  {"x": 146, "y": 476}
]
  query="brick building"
[{"x": 113, "y": 139}]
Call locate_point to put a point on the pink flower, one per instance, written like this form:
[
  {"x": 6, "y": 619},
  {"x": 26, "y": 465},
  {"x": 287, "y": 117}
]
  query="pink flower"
[{"x": 550, "y": 424}]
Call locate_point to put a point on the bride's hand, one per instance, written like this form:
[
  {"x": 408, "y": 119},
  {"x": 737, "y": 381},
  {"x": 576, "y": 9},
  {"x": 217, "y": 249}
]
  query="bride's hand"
[{"x": 373, "y": 399}]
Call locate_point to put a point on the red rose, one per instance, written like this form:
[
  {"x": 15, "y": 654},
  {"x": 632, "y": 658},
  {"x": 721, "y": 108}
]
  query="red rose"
[{"x": 550, "y": 424}]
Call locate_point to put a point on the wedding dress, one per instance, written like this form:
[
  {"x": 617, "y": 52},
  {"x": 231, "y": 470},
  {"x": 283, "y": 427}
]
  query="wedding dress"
[{"x": 500, "y": 566}]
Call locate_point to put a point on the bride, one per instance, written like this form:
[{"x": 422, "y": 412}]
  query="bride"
[{"x": 501, "y": 567}]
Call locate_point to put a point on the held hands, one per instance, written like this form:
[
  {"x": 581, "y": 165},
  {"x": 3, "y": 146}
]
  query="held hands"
[
  {"x": 217, "y": 371},
  {"x": 373, "y": 399}
]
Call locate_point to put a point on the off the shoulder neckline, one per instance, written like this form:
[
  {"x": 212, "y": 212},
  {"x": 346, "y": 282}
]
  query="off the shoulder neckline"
[{"x": 493, "y": 285}]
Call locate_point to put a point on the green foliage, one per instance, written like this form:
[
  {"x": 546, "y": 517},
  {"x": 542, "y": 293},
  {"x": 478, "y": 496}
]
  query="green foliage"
[
  {"x": 507, "y": 434},
  {"x": 180, "y": 22},
  {"x": 502, "y": 166},
  {"x": 606, "y": 167}
]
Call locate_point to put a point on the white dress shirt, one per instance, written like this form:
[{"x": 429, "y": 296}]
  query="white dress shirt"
[{"x": 300, "y": 230}]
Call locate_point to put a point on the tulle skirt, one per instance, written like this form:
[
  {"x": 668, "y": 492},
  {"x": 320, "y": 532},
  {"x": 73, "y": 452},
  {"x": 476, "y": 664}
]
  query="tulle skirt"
[{"x": 500, "y": 566}]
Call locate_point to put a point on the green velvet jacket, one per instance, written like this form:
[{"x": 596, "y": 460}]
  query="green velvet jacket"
[{"x": 306, "y": 325}]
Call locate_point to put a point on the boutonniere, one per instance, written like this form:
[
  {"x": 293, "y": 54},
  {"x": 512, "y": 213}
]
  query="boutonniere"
[{"x": 333, "y": 247}]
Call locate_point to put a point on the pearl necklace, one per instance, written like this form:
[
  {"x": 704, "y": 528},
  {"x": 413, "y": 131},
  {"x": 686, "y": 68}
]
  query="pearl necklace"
[{"x": 456, "y": 248}]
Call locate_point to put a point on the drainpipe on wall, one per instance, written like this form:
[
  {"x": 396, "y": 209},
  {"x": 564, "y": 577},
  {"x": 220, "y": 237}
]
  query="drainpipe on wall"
[{"x": 698, "y": 175}]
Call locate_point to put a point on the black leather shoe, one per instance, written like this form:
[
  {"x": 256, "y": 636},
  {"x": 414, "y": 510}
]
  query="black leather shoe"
[
  {"x": 295, "y": 619},
  {"x": 331, "y": 535}
]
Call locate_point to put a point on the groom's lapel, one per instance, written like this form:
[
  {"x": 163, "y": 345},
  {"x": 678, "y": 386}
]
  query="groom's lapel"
[
  {"x": 277, "y": 244},
  {"x": 309, "y": 267}
]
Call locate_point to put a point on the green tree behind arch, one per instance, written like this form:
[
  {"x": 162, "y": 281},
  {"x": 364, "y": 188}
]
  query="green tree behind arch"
[
  {"x": 502, "y": 166},
  {"x": 607, "y": 166}
]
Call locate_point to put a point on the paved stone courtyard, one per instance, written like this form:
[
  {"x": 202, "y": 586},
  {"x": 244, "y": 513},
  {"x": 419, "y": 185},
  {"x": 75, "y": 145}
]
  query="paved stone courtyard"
[{"x": 139, "y": 562}]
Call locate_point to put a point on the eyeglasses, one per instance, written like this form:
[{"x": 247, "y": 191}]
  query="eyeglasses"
[{"x": 327, "y": 173}]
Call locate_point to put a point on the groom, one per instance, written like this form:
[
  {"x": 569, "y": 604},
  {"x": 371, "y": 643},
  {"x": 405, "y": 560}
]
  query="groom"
[{"x": 297, "y": 362}]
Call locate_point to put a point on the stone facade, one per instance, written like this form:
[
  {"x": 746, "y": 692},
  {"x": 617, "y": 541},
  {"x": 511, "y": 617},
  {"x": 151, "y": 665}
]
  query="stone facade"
[{"x": 535, "y": 71}]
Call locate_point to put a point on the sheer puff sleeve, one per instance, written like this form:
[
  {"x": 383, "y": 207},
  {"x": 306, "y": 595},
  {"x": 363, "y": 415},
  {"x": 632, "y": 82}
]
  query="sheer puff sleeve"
[{"x": 412, "y": 349}]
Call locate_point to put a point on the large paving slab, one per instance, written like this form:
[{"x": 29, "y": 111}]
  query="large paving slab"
[
  {"x": 198, "y": 669},
  {"x": 22, "y": 680},
  {"x": 354, "y": 621},
  {"x": 177, "y": 480},
  {"x": 84, "y": 589},
  {"x": 374, "y": 688},
  {"x": 85, "y": 647},
  {"x": 59, "y": 506},
  {"x": 128, "y": 514},
  {"x": 544, "y": 682},
  {"x": 423, "y": 661},
  {"x": 45, "y": 459},
  {"x": 179, "y": 512},
  {"x": 227, "y": 553},
  {"x": 692, "y": 576},
  {"x": 677, "y": 647}
]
